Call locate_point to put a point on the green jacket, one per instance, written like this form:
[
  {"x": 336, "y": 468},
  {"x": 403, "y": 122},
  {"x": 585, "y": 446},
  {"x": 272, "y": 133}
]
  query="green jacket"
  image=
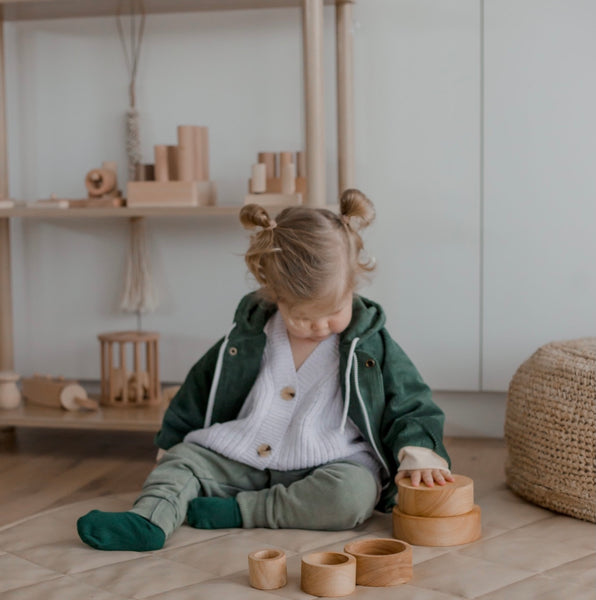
[{"x": 389, "y": 402}]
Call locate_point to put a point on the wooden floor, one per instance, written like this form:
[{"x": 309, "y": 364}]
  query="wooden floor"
[{"x": 45, "y": 468}]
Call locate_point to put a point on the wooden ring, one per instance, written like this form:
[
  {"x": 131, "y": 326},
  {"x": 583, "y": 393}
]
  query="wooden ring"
[
  {"x": 453, "y": 498},
  {"x": 328, "y": 574},
  {"x": 267, "y": 569},
  {"x": 381, "y": 561},
  {"x": 100, "y": 181},
  {"x": 437, "y": 531}
]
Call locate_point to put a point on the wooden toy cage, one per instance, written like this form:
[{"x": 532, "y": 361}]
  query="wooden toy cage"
[{"x": 120, "y": 387}]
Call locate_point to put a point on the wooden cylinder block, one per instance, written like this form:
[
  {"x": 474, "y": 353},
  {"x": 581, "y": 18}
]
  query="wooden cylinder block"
[
  {"x": 328, "y": 574},
  {"x": 269, "y": 160},
  {"x": 285, "y": 158},
  {"x": 381, "y": 562},
  {"x": 288, "y": 178},
  {"x": 258, "y": 180},
  {"x": 437, "y": 531},
  {"x": 186, "y": 154},
  {"x": 267, "y": 569},
  {"x": 453, "y": 498},
  {"x": 161, "y": 162}
]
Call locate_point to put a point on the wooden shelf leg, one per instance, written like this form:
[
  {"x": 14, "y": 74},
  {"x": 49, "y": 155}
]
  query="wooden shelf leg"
[
  {"x": 312, "y": 33},
  {"x": 345, "y": 94}
]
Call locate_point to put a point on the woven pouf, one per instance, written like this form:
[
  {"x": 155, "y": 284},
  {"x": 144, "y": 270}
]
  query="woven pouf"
[{"x": 550, "y": 428}]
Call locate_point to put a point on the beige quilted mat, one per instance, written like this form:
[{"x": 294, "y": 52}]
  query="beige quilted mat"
[{"x": 526, "y": 552}]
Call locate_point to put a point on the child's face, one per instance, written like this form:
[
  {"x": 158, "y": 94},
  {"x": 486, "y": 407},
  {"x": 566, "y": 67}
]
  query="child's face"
[{"x": 313, "y": 322}]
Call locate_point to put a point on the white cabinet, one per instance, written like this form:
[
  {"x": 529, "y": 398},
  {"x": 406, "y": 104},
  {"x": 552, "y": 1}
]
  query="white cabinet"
[{"x": 539, "y": 179}]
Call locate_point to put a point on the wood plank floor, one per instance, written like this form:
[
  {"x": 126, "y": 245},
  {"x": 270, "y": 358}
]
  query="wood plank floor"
[{"x": 46, "y": 468}]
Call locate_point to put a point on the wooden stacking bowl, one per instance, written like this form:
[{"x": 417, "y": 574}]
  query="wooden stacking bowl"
[
  {"x": 453, "y": 498},
  {"x": 328, "y": 574},
  {"x": 381, "y": 561},
  {"x": 437, "y": 531},
  {"x": 267, "y": 569}
]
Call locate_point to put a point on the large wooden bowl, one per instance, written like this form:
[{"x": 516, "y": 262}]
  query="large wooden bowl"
[{"x": 381, "y": 561}]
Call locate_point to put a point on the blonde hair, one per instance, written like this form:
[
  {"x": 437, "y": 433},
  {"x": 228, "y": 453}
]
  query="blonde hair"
[{"x": 307, "y": 254}]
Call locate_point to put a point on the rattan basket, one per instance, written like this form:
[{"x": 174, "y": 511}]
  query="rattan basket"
[{"x": 550, "y": 428}]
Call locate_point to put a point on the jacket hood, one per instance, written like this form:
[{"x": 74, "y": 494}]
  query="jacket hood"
[{"x": 367, "y": 316}]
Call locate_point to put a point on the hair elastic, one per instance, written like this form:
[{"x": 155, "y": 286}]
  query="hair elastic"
[{"x": 271, "y": 227}]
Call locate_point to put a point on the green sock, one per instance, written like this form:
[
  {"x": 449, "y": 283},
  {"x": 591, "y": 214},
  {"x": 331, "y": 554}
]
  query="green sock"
[
  {"x": 120, "y": 531},
  {"x": 213, "y": 513}
]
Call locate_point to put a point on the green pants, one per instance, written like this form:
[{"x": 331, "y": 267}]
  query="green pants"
[{"x": 335, "y": 496}]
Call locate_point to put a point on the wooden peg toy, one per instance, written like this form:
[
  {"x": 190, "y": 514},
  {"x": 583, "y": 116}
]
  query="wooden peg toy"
[
  {"x": 269, "y": 159},
  {"x": 267, "y": 569},
  {"x": 381, "y": 562},
  {"x": 453, "y": 498},
  {"x": 288, "y": 178},
  {"x": 258, "y": 180},
  {"x": 56, "y": 392},
  {"x": 442, "y": 515},
  {"x": 10, "y": 397},
  {"x": 328, "y": 574}
]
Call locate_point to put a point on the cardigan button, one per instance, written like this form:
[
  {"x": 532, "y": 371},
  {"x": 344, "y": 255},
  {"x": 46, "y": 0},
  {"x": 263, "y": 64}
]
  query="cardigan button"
[
  {"x": 370, "y": 363},
  {"x": 264, "y": 450},
  {"x": 288, "y": 393},
  {"x": 233, "y": 351}
]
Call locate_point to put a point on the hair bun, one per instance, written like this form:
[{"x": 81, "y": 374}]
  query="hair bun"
[
  {"x": 356, "y": 209},
  {"x": 253, "y": 215}
]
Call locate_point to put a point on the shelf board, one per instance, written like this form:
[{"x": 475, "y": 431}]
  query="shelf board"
[
  {"x": 126, "y": 212},
  {"x": 107, "y": 417},
  {"x": 22, "y": 10}
]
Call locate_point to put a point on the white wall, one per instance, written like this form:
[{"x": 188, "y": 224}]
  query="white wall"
[{"x": 439, "y": 84}]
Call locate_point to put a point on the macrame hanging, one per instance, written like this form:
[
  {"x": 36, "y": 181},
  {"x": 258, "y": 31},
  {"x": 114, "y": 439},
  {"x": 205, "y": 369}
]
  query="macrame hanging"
[
  {"x": 131, "y": 44},
  {"x": 139, "y": 293}
]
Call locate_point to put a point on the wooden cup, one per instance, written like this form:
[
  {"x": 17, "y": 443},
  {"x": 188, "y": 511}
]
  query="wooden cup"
[
  {"x": 381, "y": 561},
  {"x": 437, "y": 531},
  {"x": 453, "y": 498},
  {"x": 328, "y": 574},
  {"x": 267, "y": 569}
]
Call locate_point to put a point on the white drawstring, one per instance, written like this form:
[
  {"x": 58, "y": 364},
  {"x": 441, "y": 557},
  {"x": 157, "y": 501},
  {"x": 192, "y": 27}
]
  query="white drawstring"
[
  {"x": 215, "y": 382},
  {"x": 352, "y": 362},
  {"x": 351, "y": 353}
]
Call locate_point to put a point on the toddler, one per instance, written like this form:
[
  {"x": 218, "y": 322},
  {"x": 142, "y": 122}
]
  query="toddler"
[{"x": 305, "y": 415}]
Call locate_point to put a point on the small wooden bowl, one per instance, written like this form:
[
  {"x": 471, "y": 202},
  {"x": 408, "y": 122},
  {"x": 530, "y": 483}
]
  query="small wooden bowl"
[
  {"x": 437, "y": 531},
  {"x": 453, "y": 498},
  {"x": 267, "y": 569},
  {"x": 328, "y": 574},
  {"x": 381, "y": 561}
]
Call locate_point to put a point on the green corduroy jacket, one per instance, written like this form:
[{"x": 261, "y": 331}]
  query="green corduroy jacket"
[{"x": 397, "y": 409}]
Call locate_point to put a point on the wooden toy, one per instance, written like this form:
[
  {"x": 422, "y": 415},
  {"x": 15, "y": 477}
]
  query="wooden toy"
[
  {"x": 144, "y": 172},
  {"x": 437, "y": 531},
  {"x": 171, "y": 193},
  {"x": 119, "y": 387},
  {"x": 100, "y": 182},
  {"x": 285, "y": 158},
  {"x": 273, "y": 199},
  {"x": 453, "y": 498},
  {"x": 10, "y": 397},
  {"x": 300, "y": 164},
  {"x": 56, "y": 392},
  {"x": 381, "y": 561},
  {"x": 258, "y": 180},
  {"x": 267, "y": 569},
  {"x": 186, "y": 160},
  {"x": 162, "y": 170},
  {"x": 173, "y": 162},
  {"x": 288, "y": 178},
  {"x": 328, "y": 574},
  {"x": 269, "y": 159},
  {"x": 201, "y": 153}
]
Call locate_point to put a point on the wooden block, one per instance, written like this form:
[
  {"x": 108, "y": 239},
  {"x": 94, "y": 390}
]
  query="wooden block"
[
  {"x": 381, "y": 561},
  {"x": 258, "y": 179},
  {"x": 301, "y": 164},
  {"x": 437, "y": 531},
  {"x": 206, "y": 193},
  {"x": 201, "y": 153},
  {"x": 186, "y": 161},
  {"x": 285, "y": 158},
  {"x": 288, "y": 178},
  {"x": 144, "y": 172},
  {"x": 107, "y": 202},
  {"x": 162, "y": 193},
  {"x": 328, "y": 574},
  {"x": 274, "y": 186},
  {"x": 270, "y": 161},
  {"x": 55, "y": 392},
  {"x": 453, "y": 498},
  {"x": 161, "y": 162},
  {"x": 273, "y": 199},
  {"x": 173, "y": 162},
  {"x": 267, "y": 569}
]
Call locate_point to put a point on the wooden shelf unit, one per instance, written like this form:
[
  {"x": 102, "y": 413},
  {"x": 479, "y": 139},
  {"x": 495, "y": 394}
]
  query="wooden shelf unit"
[{"x": 315, "y": 151}]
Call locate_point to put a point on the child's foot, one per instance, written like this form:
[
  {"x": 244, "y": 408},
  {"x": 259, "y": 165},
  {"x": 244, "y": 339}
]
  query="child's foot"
[
  {"x": 214, "y": 513},
  {"x": 120, "y": 531}
]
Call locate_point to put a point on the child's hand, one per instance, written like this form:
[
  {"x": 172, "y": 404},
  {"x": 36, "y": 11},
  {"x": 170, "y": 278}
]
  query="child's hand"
[{"x": 428, "y": 476}]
